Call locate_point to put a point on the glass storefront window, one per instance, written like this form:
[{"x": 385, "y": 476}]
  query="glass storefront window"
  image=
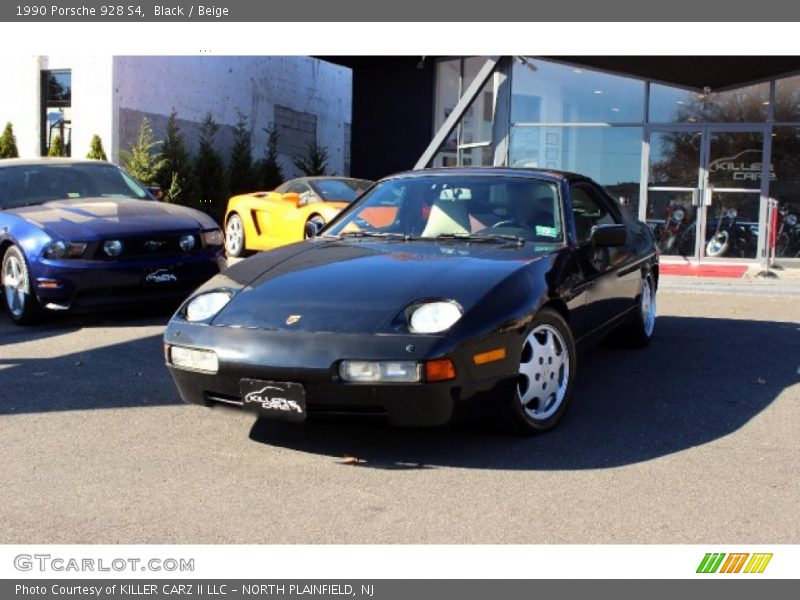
[
  {"x": 675, "y": 158},
  {"x": 57, "y": 110},
  {"x": 677, "y": 105},
  {"x": 787, "y": 100},
  {"x": 547, "y": 92},
  {"x": 785, "y": 187},
  {"x": 448, "y": 91},
  {"x": 612, "y": 156}
]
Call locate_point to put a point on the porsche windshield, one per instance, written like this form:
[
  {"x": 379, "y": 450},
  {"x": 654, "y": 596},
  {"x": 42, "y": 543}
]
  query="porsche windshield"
[
  {"x": 457, "y": 207},
  {"x": 27, "y": 184}
]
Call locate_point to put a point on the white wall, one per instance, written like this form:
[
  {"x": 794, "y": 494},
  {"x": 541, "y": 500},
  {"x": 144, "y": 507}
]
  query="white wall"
[
  {"x": 20, "y": 99},
  {"x": 223, "y": 85}
]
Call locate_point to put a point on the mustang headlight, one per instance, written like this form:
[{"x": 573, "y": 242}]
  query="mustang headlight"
[
  {"x": 206, "y": 305},
  {"x": 433, "y": 317},
  {"x": 61, "y": 249},
  {"x": 213, "y": 238}
]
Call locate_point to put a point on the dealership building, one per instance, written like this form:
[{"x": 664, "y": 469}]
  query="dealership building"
[
  {"x": 692, "y": 145},
  {"x": 695, "y": 146}
]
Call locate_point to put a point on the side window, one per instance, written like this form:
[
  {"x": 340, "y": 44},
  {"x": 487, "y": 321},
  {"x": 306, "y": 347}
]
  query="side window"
[{"x": 588, "y": 210}]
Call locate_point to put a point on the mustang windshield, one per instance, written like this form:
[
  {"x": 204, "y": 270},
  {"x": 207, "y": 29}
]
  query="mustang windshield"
[
  {"x": 465, "y": 207},
  {"x": 24, "y": 185}
]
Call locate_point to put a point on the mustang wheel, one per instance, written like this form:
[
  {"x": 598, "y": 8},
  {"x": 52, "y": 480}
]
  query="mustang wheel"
[
  {"x": 21, "y": 302},
  {"x": 319, "y": 223},
  {"x": 638, "y": 331},
  {"x": 547, "y": 369},
  {"x": 234, "y": 236}
]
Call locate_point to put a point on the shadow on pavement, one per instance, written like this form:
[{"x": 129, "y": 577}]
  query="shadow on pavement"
[{"x": 701, "y": 379}]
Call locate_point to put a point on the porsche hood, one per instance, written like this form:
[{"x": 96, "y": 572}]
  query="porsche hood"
[{"x": 362, "y": 286}]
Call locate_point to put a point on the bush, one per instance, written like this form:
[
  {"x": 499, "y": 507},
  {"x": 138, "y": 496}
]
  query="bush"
[
  {"x": 8, "y": 143},
  {"x": 314, "y": 162},
  {"x": 242, "y": 175},
  {"x": 270, "y": 174},
  {"x": 176, "y": 176},
  {"x": 96, "y": 151},
  {"x": 210, "y": 172},
  {"x": 56, "y": 146},
  {"x": 143, "y": 161}
]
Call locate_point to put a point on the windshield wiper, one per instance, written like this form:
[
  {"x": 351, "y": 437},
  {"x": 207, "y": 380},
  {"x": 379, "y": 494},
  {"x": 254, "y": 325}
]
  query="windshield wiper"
[
  {"x": 377, "y": 234},
  {"x": 486, "y": 237}
]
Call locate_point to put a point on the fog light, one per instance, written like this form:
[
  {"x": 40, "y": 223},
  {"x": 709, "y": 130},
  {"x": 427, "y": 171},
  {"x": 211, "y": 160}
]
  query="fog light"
[
  {"x": 186, "y": 242},
  {"x": 193, "y": 359},
  {"x": 404, "y": 371},
  {"x": 112, "y": 247}
]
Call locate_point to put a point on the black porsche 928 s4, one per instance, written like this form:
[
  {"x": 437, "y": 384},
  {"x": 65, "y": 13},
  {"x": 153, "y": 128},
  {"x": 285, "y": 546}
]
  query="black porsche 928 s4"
[{"x": 438, "y": 293}]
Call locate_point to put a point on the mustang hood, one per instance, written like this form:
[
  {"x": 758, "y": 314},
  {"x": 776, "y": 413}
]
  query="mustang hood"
[
  {"x": 99, "y": 218},
  {"x": 362, "y": 286}
]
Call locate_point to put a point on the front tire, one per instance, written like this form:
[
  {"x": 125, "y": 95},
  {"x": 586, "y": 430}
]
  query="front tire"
[
  {"x": 547, "y": 369},
  {"x": 235, "y": 242},
  {"x": 718, "y": 245},
  {"x": 21, "y": 302}
]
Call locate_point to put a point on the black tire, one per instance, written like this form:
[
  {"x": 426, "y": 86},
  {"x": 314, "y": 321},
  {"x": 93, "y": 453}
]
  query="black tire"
[
  {"x": 235, "y": 240},
  {"x": 637, "y": 331},
  {"x": 20, "y": 301},
  {"x": 557, "y": 380},
  {"x": 318, "y": 220}
]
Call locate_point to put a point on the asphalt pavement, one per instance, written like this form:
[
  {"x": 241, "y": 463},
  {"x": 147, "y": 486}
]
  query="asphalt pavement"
[{"x": 692, "y": 440}]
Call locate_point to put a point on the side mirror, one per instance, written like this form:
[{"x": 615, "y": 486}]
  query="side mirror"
[
  {"x": 312, "y": 228},
  {"x": 292, "y": 197},
  {"x": 609, "y": 235},
  {"x": 156, "y": 192}
]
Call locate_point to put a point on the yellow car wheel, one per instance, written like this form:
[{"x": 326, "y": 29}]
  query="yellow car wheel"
[{"x": 234, "y": 236}]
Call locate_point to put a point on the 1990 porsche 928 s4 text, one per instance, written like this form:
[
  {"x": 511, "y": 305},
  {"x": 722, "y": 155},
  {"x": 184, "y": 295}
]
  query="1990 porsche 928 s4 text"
[{"x": 470, "y": 301}]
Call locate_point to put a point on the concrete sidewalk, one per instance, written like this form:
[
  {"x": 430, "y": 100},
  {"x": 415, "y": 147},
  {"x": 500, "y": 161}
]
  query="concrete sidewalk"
[{"x": 787, "y": 283}]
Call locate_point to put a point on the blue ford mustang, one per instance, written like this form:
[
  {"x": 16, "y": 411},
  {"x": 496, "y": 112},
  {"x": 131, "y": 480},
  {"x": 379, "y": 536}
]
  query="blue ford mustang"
[{"x": 82, "y": 234}]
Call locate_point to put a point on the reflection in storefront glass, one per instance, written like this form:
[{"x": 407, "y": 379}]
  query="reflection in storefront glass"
[
  {"x": 675, "y": 158},
  {"x": 785, "y": 187},
  {"x": 554, "y": 93},
  {"x": 609, "y": 155},
  {"x": 677, "y": 105},
  {"x": 787, "y": 99},
  {"x": 736, "y": 160},
  {"x": 732, "y": 225}
]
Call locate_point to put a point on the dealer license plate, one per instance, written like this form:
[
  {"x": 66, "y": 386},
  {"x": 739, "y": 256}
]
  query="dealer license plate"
[{"x": 274, "y": 399}]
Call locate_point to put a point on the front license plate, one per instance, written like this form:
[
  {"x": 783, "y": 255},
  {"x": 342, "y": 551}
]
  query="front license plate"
[
  {"x": 274, "y": 399},
  {"x": 160, "y": 276}
]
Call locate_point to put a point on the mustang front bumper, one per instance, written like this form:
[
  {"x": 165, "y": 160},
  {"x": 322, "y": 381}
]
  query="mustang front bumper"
[{"x": 312, "y": 359}]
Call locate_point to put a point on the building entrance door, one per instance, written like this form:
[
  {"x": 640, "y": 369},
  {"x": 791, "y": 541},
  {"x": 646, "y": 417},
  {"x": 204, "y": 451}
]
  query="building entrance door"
[{"x": 704, "y": 190}]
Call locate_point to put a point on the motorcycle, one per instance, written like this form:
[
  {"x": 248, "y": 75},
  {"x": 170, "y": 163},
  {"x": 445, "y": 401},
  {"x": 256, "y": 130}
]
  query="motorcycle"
[
  {"x": 787, "y": 239},
  {"x": 730, "y": 238},
  {"x": 676, "y": 235}
]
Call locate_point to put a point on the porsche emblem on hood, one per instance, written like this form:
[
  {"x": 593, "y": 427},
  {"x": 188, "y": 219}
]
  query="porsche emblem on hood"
[{"x": 293, "y": 319}]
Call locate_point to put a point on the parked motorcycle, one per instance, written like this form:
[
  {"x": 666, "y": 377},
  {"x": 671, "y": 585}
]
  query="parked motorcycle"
[
  {"x": 729, "y": 237},
  {"x": 787, "y": 239},
  {"x": 676, "y": 235}
]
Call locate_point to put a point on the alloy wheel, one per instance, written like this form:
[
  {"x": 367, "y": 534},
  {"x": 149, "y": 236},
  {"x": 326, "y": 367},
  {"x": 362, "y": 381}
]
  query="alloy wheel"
[{"x": 544, "y": 372}]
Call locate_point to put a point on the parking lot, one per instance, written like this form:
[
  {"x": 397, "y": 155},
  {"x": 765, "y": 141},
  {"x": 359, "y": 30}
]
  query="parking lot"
[{"x": 693, "y": 440}]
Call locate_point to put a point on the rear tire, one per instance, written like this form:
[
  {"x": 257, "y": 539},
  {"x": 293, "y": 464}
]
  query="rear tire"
[
  {"x": 547, "y": 369},
  {"x": 18, "y": 296},
  {"x": 235, "y": 241},
  {"x": 638, "y": 330}
]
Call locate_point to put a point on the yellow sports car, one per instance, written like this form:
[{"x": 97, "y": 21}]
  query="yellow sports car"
[{"x": 266, "y": 220}]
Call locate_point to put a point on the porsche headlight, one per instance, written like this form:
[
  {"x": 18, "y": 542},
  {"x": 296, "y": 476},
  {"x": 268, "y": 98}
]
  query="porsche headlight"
[
  {"x": 433, "y": 317},
  {"x": 206, "y": 305},
  {"x": 61, "y": 249}
]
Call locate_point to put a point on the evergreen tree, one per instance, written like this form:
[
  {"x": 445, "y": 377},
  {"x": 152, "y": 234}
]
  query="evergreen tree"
[
  {"x": 270, "y": 173},
  {"x": 143, "y": 161},
  {"x": 314, "y": 162},
  {"x": 176, "y": 176},
  {"x": 96, "y": 151},
  {"x": 241, "y": 168},
  {"x": 8, "y": 143},
  {"x": 210, "y": 172},
  {"x": 56, "y": 146}
]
